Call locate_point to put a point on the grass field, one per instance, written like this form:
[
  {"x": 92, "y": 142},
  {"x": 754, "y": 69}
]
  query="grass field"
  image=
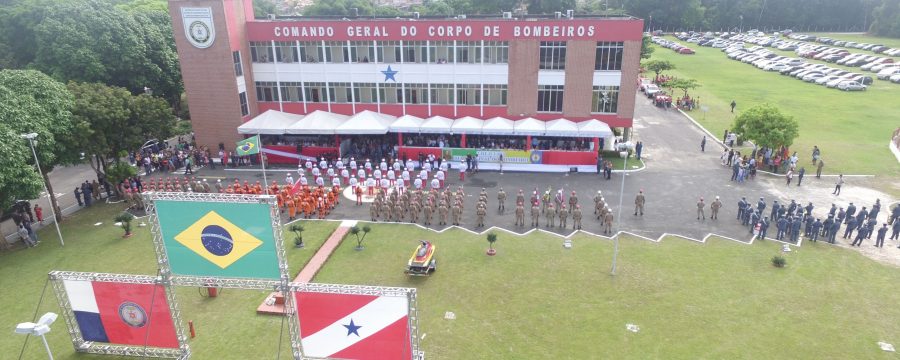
[
  {"x": 890, "y": 42},
  {"x": 721, "y": 300},
  {"x": 852, "y": 129}
]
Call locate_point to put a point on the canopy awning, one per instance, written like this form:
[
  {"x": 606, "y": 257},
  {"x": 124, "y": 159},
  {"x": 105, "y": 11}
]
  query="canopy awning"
[
  {"x": 366, "y": 123},
  {"x": 435, "y": 125},
  {"x": 594, "y": 128},
  {"x": 498, "y": 126},
  {"x": 317, "y": 123},
  {"x": 467, "y": 125},
  {"x": 271, "y": 122},
  {"x": 529, "y": 126},
  {"x": 407, "y": 124},
  {"x": 561, "y": 127}
]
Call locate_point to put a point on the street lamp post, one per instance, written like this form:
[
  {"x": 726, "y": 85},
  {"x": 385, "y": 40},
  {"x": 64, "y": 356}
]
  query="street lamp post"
[
  {"x": 30, "y": 137},
  {"x": 650, "y": 26},
  {"x": 619, "y": 216},
  {"x": 741, "y": 28}
]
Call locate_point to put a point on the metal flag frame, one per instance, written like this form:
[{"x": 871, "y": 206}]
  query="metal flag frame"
[
  {"x": 182, "y": 352},
  {"x": 282, "y": 285},
  {"x": 408, "y": 293}
]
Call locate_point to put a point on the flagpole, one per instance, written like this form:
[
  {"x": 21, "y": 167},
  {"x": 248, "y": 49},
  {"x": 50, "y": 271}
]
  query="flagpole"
[{"x": 262, "y": 164}]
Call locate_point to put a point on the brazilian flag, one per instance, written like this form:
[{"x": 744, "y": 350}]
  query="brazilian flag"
[
  {"x": 218, "y": 239},
  {"x": 248, "y": 146}
]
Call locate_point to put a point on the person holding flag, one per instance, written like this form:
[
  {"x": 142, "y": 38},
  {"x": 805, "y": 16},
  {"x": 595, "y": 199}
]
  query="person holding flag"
[{"x": 251, "y": 146}]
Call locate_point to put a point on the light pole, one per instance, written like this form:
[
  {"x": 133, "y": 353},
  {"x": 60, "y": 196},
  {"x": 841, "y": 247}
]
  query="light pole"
[
  {"x": 741, "y": 29},
  {"x": 619, "y": 216},
  {"x": 650, "y": 26},
  {"x": 30, "y": 137}
]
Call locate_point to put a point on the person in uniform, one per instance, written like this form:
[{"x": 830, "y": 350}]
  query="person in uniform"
[
  {"x": 520, "y": 214},
  {"x": 397, "y": 212},
  {"x": 551, "y": 215},
  {"x": 576, "y": 217},
  {"x": 520, "y": 197},
  {"x": 597, "y": 201},
  {"x": 373, "y": 211},
  {"x": 443, "y": 210},
  {"x": 573, "y": 201},
  {"x": 480, "y": 213},
  {"x": 563, "y": 216},
  {"x": 427, "y": 210},
  {"x": 714, "y": 209},
  {"x": 501, "y": 201},
  {"x": 536, "y": 214},
  {"x": 414, "y": 212},
  {"x": 608, "y": 220},
  {"x": 639, "y": 203},
  {"x": 700, "y": 206},
  {"x": 457, "y": 212}
]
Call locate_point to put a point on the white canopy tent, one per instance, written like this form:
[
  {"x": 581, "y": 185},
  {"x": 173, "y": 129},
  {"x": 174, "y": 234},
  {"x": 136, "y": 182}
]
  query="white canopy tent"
[
  {"x": 594, "y": 128},
  {"x": 271, "y": 122},
  {"x": 467, "y": 125},
  {"x": 561, "y": 127},
  {"x": 407, "y": 124},
  {"x": 436, "y": 124},
  {"x": 529, "y": 126},
  {"x": 366, "y": 123},
  {"x": 498, "y": 126},
  {"x": 317, "y": 123}
]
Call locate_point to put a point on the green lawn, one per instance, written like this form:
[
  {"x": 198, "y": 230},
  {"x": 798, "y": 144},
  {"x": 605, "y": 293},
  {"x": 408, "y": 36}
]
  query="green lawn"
[
  {"x": 721, "y": 300},
  {"x": 852, "y": 129},
  {"x": 227, "y": 326}
]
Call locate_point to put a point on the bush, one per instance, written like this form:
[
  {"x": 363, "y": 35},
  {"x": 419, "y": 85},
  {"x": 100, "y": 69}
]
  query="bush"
[{"x": 779, "y": 261}]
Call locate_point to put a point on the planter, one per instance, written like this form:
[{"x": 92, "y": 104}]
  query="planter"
[
  {"x": 491, "y": 252},
  {"x": 127, "y": 235}
]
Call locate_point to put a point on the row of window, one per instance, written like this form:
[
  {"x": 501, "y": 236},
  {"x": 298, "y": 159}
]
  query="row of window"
[
  {"x": 608, "y": 55},
  {"x": 437, "y": 52},
  {"x": 604, "y": 99},
  {"x": 373, "y": 93}
]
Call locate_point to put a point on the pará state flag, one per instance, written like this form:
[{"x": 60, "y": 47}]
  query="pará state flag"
[
  {"x": 343, "y": 326},
  {"x": 121, "y": 313},
  {"x": 229, "y": 240},
  {"x": 248, "y": 146}
]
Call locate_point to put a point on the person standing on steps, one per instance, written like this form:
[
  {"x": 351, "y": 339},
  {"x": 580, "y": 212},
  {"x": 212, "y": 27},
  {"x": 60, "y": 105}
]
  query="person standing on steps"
[{"x": 838, "y": 184}]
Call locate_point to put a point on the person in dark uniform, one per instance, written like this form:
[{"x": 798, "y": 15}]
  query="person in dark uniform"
[
  {"x": 741, "y": 205},
  {"x": 816, "y": 226},
  {"x": 860, "y": 236},
  {"x": 763, "y": 228},
  {"x": 800, "y": 175},
  {"x": 781, "y": 225},
  {"x": 78, "y": 196},
  {"x": 761, "y": 205},
  {"x": 754, "y": 218},
  {"x": 835, "y": 227},
  {"x": 879, "y": 241},
  {"x": 851, "y": 225},
  {"x": 841, "y": 215},
  {"x": 870, "y": 227},
  {"x": 833, "y": 210},
  {"x": 875, "y": 209},
  {"x": 775, "y": 207},
  {"x": 895, "y": 231},
  {"x": 795, "y": 229},
  {"x": 851, "y": 210}
]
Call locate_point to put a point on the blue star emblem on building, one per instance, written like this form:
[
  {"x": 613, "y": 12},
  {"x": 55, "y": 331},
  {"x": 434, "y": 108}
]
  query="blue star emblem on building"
[
  {"x": 352, "y": 328},
  {"x": 389, "y": 74}
]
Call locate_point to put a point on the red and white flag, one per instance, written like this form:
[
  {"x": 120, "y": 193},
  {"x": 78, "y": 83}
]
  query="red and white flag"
[{"x": 345, "y": 326}]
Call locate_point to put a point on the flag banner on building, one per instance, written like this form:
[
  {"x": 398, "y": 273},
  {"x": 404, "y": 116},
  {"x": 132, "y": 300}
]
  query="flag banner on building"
[
  {"x": 248, "y": 146},
  {"x": 352, "y": 326},
  {"x": 122, "y": 313},
  {"x": 231, "y": 240}
]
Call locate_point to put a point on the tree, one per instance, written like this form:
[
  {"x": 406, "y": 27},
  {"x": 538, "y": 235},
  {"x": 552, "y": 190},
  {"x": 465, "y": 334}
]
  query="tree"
[
  {"x": 765, "y": 125},
  {"x": 298, "y": 229},
  {"x": 355, "y": 230},
  {"x": 261, "y": 8},
  {"x": 658, "y": 66},
  {"x": 434, "y": 8},
  {"x": 550, "y": 6},
  {"x": 31, "y": 102},
  {"x": 683, "y": 85},
  {"x": 491, "y": 238},
  {"x": 887, "y": 19},
  {"x": 646, "y": 47},
  {"x": 124, "y": 219}
]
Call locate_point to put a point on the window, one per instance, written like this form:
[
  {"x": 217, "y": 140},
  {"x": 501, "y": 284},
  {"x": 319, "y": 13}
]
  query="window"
[
  {"x": 334, "y": 52},
  {"x": 362, "y": 52},
  {"x": 340, "y": 92},
  {"x": 442, "y": 94},
  {"x": 440, "y": 52},
  {"x": 315, "y": 92},
  {"x": 468, "y": 52},
  {"x": 468, "y": 94},
  {"x": 553, "y": 55},
  {"x": 550, "y": 98},
  {"x": 291, "y": 92},
  {"x": 365, "y": 93},
  {"x": 605, "y": 99},
  {"x": 495, "y": 94},
  {"x": 415, "y": 93},
  {"x": 286, "y": 52},
  {"x": 266, "y": 91},
  {"x": 609, "y": 55},
  {"x": 388, "y": 52},
  {"x": 310, "y": 51},
  {"x": 414, "y": 51},
  {"x": 390, "y": 93},
  {"x": 496, "y": 52},
  {"x": 238, "y": 69},
  {"x": 245, "y": 108},
  {"x": 261, "y": 52}
]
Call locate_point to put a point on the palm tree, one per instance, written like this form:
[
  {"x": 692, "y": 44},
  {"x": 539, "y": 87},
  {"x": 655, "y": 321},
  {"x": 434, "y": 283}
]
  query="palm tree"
[
  {"x": 124, "y": 220},
  {"x": 359, "y": 240},
  {"x": 297, "y": 229}
]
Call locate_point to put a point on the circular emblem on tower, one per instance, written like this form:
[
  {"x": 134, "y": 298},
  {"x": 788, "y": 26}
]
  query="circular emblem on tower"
[
  {"x": 199, "y": 32},
  {"x": 199, "y": 28},
  {"x": 132, "y": 314}
]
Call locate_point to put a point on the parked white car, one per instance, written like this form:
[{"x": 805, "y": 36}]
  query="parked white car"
[
  {"x": 885, "y": 74},
  {"x": 851, "y": 85}
]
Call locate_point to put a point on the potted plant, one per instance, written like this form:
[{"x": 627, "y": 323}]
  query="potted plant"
[
  {"x": 491, "y": 238},
  {"x": 297, "y": 229},
  {"x": 359, "y": 240},
  {"x": 124, "y": 220}
]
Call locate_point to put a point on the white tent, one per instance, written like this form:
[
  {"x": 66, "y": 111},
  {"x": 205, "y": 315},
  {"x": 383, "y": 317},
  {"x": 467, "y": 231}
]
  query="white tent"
[
  {"x": 594, "y": 128},
  {"x": 317, "y": 123},
  {"x": 271, "y": 122},
  {"x": 467, "y": 125},
  {"x": 561, "y": 127},
  {"x": 407, "y": 124},
  {"x": 498, "y": 126},
  {"x": 529, "y": 126},
  {"x": 436, "y": 124},
  {"x": 366, "y": 123}
]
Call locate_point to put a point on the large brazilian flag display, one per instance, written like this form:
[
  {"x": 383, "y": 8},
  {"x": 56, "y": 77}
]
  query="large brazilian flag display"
[{"x": 218, "y": 239}]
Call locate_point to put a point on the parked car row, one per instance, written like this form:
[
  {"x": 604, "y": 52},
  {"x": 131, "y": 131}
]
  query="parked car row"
[
  {"x": 876, "y": 48},
  {"x": 681, "y": 49},
  {"x": 820, "y": 74}
]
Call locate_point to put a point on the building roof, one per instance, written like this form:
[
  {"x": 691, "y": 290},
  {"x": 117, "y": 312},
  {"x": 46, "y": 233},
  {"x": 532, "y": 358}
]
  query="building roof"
[
  {"x": 271, "y": 122},
  {"x": 317, "y": 123},
  {"x": 366, "y": 122},
  {"x": 498, "y": 126},
  {"x": 407, "y": 124}
]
